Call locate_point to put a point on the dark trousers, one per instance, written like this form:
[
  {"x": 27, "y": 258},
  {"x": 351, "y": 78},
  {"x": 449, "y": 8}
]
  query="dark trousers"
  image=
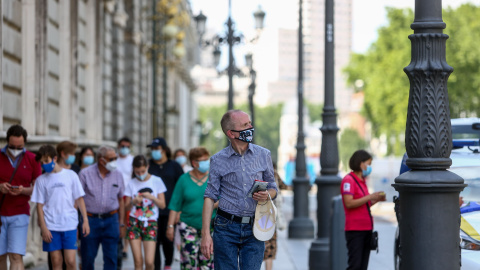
[
  {"x": 167, "y": 245},
  {"x": 358, "y": 245}
]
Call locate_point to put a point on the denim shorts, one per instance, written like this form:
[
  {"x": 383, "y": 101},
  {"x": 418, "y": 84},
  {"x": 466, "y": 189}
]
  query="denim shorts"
[
  {"x": 13, "y": 235},
  {"x": 61, "y": 240}
]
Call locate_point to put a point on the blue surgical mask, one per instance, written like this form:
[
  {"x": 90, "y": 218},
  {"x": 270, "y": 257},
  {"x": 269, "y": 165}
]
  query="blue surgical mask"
[
  {"x": 181, "y": 160},
  {"x": 156, "y": 154},
  {"x": 70, "y": 160},
  {"x": 367, "y": 172},
  {"x": 124, "y": 151},
  {"x": 246, "y": 135},
  {"x": 204, "y": 166},
  {"x": 48, "y": 167},
  {"x": 142, "y": 177},
  {"x": 88, "y": 160}
]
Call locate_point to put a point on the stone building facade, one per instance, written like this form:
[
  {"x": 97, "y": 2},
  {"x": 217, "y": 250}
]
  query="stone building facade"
[{"x": 82, "y": 70}]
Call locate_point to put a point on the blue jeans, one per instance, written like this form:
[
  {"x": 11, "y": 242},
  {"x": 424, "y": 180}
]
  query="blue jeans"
[
  {"x": 235, "y": 247},
  {"x": 105, "y": 231}
]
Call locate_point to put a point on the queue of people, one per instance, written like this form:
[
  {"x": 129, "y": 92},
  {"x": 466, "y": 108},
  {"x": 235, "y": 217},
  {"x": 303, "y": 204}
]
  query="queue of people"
[{"x": 118, "y": 200}]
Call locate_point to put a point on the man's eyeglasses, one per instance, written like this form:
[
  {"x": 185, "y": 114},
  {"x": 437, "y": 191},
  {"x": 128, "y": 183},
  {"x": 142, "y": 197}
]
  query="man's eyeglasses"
[
  {"x": 110, "y": 159},
  {"x": 15, "y": 148}
]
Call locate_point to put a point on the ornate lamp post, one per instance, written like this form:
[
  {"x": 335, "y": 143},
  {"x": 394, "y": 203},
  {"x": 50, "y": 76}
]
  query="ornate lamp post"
[
  {"x": 328, "y": 183},
  {"x": 230, "y": 38},
  {"x": 429, "y": 211},
  {"x": 301, "y": 226}
]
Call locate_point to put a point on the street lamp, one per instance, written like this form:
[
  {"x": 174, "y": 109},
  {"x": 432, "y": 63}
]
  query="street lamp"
[
  {"x": 174, "y": 20},
  {"x": 229, "y": 38},
  {"x": 328, "y": 184},
  {"x": 252, "y": 86},
  {"x": 429, "y": 192},
  {"x": 301, "y": 226}
]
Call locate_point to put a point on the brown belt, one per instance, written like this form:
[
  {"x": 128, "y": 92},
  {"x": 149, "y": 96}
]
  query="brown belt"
[{"x": 105, "y": 215}]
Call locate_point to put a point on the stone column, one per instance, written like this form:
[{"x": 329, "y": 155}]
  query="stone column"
[
  {"x": 65, "y": 70},
  {"x": 39, "y": 66}
]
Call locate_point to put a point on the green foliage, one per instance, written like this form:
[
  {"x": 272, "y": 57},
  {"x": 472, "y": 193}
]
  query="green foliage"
[
  {"x": 350, "y": 141},
  {"x": 386, "y": 86},
  {"x": 267, "y": 127},
  {"x": 314, "y": 111}
]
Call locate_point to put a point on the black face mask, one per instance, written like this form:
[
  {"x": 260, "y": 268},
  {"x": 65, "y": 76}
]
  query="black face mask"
[{"x": 246, "y": 135}]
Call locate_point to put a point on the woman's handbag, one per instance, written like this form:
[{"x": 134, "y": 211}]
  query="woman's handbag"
[
  {"x": 374, "y": 237},
  {"x": 374, "y": 241}
]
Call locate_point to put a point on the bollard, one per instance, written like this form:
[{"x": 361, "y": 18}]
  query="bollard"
[{"x": 338, "y": 244}]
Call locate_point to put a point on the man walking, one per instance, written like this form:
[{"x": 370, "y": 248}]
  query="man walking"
[
  {"x": 124, "y": 165},
  {"x": 233, "y": 172},
  {"x": 104, "y": 189},
  {"x": 169, "y": 171},
  {"x": 18, "y": 171}
]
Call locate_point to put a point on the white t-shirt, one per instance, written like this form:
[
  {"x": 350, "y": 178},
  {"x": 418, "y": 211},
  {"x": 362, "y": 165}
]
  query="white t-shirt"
[
  {"x": 124, "y": 165},
  {"x": 58, "y": 192},
  {"x": 148, "y": 210}
]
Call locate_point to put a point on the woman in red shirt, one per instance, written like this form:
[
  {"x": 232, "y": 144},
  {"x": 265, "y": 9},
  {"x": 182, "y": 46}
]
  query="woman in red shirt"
[{"x": 356, "y": 203}]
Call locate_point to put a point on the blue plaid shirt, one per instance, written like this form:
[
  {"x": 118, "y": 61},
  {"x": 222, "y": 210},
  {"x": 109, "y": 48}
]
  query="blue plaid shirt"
[{"x": 232, "y": 176}]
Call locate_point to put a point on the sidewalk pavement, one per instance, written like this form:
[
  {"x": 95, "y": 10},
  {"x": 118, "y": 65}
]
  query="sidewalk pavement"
[{"x": 292, "y": 254}]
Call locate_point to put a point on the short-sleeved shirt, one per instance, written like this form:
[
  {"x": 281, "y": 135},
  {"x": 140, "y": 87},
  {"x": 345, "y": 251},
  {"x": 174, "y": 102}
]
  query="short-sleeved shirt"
[
  {"x": 27, "y": 172},
  {"x": 148, "y": 210},
  {"x": 101, "y": 194},
  {"x": 188, "y": 198},
  {"x": 232, "y": 176},
  {"x": 356, "y": 219},
  {"x": 58, "y": 192},
  {"x": 169, "y": 172},
  {"x": 124, "y": 165}
]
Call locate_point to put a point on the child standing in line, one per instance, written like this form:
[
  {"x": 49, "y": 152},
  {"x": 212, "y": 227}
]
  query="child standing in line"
[
  {"x": 144, "y": 197},
  {"x": 56, "y": 192}
]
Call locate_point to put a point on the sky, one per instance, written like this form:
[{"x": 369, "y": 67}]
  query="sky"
[{"x": 283, "y": 14}]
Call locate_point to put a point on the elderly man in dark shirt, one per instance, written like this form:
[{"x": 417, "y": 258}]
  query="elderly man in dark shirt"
[
  {"x": 233, "y": 171},
  {"x": 104, "y": 188}
]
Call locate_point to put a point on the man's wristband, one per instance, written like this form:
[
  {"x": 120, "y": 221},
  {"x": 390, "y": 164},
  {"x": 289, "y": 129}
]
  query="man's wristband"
[
  {"x": 170, "y": 226},
  {"x": 122, "y": 225}
]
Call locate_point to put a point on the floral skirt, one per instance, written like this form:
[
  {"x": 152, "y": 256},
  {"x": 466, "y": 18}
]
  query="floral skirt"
[
  {"x": 137, "y": 230},
  {"x": 191, "y": 256}
]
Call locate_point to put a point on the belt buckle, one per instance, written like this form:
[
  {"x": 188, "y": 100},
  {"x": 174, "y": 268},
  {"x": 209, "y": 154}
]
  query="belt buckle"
[{"x": 245, "y": 219}]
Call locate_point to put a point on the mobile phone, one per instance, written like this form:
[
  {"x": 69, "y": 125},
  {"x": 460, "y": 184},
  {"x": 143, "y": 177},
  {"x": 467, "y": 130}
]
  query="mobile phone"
[{"x": 14, "y": 187}]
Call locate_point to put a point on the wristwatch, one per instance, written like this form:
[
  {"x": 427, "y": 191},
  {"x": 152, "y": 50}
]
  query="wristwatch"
[
  {"x": 122, "y": 225},
  {"x": 170, "y": 226}
]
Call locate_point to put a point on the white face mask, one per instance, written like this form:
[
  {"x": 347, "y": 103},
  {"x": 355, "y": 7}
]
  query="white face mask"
[
  {"x": 15, "y": 152},
  {"x": 111, "y": 166}
]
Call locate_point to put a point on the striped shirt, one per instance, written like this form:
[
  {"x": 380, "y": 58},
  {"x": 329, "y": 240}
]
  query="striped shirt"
[
  {"x": 101, "y": 194},
  {"x": 232, "y": 175}
]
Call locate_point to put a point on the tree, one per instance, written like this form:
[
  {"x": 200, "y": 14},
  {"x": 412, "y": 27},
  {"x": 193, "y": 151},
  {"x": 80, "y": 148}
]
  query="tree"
[
  {"x": 267, "y": 127},
  {"x": 387, "y": 87},
  {"x": 350, "y": 141}
]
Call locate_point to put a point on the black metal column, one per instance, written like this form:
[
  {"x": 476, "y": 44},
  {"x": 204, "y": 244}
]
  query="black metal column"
[
  {"x": 301, "y": 226},
  {"x": 429, "y": 210},
  {"x": 154, "y": 72},
  {"x": 328, "y": 183},
  {"x": 230, "y": 41}
]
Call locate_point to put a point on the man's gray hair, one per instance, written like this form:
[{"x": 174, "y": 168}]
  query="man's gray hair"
[
  {"x": 227, "y": 123},
  {"x": 103, "y": 150}
]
